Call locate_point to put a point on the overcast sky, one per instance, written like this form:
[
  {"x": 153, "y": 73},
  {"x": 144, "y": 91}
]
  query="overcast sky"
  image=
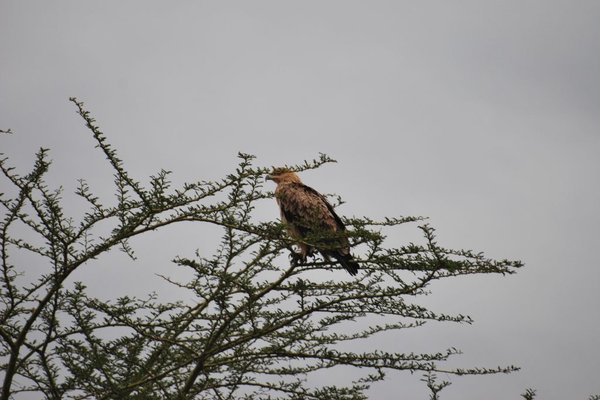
[{"x": 482, "y": 115}]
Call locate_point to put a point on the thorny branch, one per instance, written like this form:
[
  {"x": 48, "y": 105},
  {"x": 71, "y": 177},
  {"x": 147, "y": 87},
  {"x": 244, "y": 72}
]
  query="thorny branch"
[{"x": 258, "y": 325}]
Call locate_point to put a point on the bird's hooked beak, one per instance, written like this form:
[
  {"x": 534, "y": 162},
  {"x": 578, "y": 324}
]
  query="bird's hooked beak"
[{"x": 268, "y": 177}]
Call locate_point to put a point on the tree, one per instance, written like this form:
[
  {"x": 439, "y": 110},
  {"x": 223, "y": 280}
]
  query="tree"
[{"x": 259, "y": 324}]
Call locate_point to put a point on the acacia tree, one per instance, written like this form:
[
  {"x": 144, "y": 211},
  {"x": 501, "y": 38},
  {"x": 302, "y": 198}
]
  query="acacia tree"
[{"x": 259, "y": 324}]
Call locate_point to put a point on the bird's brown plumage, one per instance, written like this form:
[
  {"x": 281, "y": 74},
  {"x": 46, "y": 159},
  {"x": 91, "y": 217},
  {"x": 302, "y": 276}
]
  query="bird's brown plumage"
[{"x": 310, "y": 219}]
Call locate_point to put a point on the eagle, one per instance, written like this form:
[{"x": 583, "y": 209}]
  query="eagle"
[{"x": 311, "y": 220}]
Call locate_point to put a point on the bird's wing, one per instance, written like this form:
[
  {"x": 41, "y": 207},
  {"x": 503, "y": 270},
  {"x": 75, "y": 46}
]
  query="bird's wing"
[
  {"x": 308, "y": 210},
  {"x": 308, "y": 214}
]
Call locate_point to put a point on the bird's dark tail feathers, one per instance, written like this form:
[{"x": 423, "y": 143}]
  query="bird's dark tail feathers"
[{"x": 347, "y": 262}]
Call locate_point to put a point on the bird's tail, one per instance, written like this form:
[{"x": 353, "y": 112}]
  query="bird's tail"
[{"x": 347, "y": 262}]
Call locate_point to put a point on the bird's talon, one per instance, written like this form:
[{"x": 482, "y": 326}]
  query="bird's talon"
[{"x": 295, "y": 258}]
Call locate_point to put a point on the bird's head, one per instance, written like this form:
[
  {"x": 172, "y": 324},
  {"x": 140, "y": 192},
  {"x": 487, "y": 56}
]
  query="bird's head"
[{"x": 283, "y": 175}]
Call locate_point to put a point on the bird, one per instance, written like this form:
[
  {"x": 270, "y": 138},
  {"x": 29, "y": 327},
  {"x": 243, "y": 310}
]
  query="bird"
[{"x": 311, "y": 220}]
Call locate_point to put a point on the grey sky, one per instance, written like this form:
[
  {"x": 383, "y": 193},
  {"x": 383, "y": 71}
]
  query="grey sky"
[{"x": 482, "y": 115}]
